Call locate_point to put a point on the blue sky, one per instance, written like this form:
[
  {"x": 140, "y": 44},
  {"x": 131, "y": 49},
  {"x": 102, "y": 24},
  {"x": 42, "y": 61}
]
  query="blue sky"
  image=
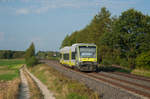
[{"x": 47, "y": 22}]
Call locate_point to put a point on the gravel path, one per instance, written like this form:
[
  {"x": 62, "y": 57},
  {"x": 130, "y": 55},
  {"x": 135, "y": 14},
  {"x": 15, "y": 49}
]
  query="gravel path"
[
  {"x": 24, "y": 88},
  {"x": 105, "y": 90},
  {"x": 46, "y": 93}
]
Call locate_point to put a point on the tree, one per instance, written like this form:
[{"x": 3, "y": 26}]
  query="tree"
[
  {"x": 100, "y": 24},
  {"x": 119, "y": 39},
  {"x": 129, "y": 34},
  {"x": 143, "y": 60},
  {"x": 30, "y": 51},
  {"x": 30, "y": 56},
  {"x": 65, "y": 42}
]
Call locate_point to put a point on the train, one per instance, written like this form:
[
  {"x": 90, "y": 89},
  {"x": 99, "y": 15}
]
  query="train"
[{"x": 82, "y": 56}]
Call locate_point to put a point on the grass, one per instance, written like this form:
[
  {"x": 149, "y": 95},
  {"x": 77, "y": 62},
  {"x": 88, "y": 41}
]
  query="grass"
[
  {"x": 11, "y": 62},
  {"x": 61, "y": 86},
  {"x": 9, "y": 78},
  {"x": 9, "y": 89},
  {"x": 114, "y": 69},
  {"x": 9, "y": 69},
  {"x": 141, "y": 72},
  {"x": 137, "y": 71},
  {"x": 75, "y": 96}
]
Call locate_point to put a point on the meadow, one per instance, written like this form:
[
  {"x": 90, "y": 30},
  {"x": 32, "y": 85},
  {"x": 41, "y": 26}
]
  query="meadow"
[{"x": 9, "y": 69}]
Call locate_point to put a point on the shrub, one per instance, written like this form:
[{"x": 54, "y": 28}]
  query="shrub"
[
  {"x": 143, "y": 60},
  {"x": 106, "y": 62},
  {"x": 31, "y": 61}
]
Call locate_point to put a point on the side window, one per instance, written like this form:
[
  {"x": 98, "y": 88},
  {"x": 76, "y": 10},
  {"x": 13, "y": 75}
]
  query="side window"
[
  {"x": 73, "y": 55},
  {"x": 61, "y": 56},
  {"x": 76, "y": 54},
  {"x": 66, "y": 56}
]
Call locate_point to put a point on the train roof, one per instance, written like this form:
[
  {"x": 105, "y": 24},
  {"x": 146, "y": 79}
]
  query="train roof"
[
  {"x": 72, "y": 48},
  {"x": 79, "y": 44}
]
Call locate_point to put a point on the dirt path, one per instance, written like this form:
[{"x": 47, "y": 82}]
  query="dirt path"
[
  {"x": 35, "y": 92},
  {"x": 24, "y": 88},
  {"x": 28, "y": 78},
  {"x": 46, "y": 93}
]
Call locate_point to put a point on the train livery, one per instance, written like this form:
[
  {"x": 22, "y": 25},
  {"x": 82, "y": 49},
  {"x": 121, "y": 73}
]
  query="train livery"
[{"x": 81, "y": 56}]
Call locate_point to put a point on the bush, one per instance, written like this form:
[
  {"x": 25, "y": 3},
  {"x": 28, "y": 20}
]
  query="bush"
[
  {"x": 31, "y": 61},
  {"x": 143, "y": 60},
  {"x": 124, "y": 63},
  {"x": 106, "y": 62}
]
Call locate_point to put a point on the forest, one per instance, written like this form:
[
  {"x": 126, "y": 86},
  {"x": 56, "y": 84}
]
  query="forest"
[
  {"x": 122, "y": 40},
  {"x": 9, "y": 54}
]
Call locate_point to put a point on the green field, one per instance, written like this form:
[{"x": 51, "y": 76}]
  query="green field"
[
  {"x": 9, "y": 69},
  {"x": 11, "y": 62}
]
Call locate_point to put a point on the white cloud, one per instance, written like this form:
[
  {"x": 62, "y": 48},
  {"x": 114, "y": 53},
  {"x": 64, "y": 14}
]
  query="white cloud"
[
  {"x": 7, "y": 1},
  {"x": 117, "y": 4},
  {"x": 41, "y": 10},
  {"x": 42, "y": 6},
  {"x": 1, "y": 36},
  {"x": 25, "y": 1},
  {"x": 23, "y": 11}
]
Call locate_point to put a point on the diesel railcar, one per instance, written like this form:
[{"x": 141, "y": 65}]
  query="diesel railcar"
[{"x": 81, "y": 56}]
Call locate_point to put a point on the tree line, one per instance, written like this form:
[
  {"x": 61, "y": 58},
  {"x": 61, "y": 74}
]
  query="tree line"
[
  {"x": 122, "y": 40},
  {"x": 9, "y": 54},
  {"x": 53, "y": 55}
]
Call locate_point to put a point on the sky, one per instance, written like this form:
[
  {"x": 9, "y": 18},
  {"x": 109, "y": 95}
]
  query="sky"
[{"x": 47, "y": 22}]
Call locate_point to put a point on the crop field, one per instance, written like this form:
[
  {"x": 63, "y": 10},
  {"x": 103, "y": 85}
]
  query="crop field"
[
  {"x": 11, "y": 62},
  {"x": 9, "y": 78},
  {"x": 9, "y": 69}
]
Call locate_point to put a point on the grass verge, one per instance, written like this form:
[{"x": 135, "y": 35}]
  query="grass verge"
[
  {"x": 141, "y": 72},
  {"x": 137, "y": 71},
  {"x": 61, "y": 86}
]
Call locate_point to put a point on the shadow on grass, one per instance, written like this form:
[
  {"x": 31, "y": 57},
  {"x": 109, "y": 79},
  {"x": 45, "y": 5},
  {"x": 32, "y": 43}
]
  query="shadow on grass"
[{"x": 113, "y": 69}]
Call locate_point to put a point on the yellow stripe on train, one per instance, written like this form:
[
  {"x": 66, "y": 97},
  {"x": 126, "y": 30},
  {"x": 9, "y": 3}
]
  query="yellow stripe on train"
[{"x": 88, "y": 59}]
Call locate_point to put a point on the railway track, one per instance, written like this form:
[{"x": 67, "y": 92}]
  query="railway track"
[
  {"x": 133, "y": 76},
  {"x": 134, "y": 85},
  {"x": 125, "y": 84}
]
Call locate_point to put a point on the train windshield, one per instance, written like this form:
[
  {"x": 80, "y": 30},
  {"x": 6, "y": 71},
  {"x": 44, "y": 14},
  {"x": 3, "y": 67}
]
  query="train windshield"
[{"x": 87, "y": 51}]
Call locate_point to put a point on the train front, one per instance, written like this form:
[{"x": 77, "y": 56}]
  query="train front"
[{"x": 87, "y": 57}]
